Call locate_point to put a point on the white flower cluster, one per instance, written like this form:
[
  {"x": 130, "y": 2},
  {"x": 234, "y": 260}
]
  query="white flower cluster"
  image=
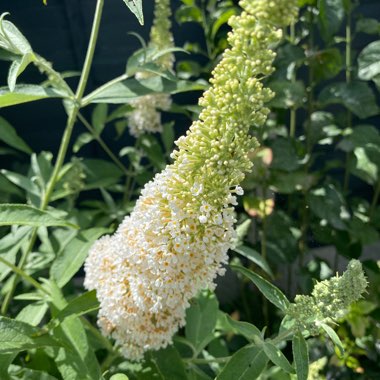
[
  {"x": 176, "y": 239},
  {"x": 158, "y": 259},
  {"x": 146, "y": 116}
]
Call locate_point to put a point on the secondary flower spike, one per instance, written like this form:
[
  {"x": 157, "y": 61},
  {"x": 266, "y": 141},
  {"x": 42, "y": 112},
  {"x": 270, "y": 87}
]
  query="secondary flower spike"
[
  {"x": 146, "y": 116},
  {"x": 176, "y": 239}
]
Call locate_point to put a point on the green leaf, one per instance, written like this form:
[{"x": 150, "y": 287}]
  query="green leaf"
[
  {"x": 301, "y": 356},
  {"x": 119, "y": 376},
  {"x": 271, "y": 292},
  {"x": 364, "y": 167},
  {"x": 249, "y": 331},
  {"x": 20, "y": 44},
  {"x": 369, "y": 61},
  {"x": 288, "y": 94},
  {"x": 168, "y": 136},
  {"x": 246, "y": 364},
  {"x": 284, "y": 155},
  {"x": 153, "y": 150},
  {"x": 110, "y": 173},
  {"x": 82, "y": 139},
  {"x": 255, "y": 257},
  {"x": 24, "y": 93},
  {"x": 81, "y": 305},
  {"x": 130, "y": 89},
  {"x": 29, "y": 374},
  {"x": 135, "y": 7},
  {"x": 76, "y": 361},
  {"x": 277, "y": 357},
  {"x": 201, "y": 319},
  {"x": 17, "y": 67},
  {"x": 33, "y": 313},
  {"x": 70, "y": 260},
  {"x": 9, "y": 246},
  {"x": 357, "y": 96},
  {"x": 331, "y": 15},
  {"x": 22, "y": 182},
  {"x": 328, "y": 204},
  {"x": 99, "y": 117},
  {"x": 168, "y": 363},
  {"x": 368, "y": 25},
  {"x": 188, "y": 13},
  {"x": 326, "y": 64},
  {"x": 221, "y": 20},
  {"x": 5, "y": 362},
  {"x": 334, "y": 337},
  {"x": 18, "y": 336},
  {"x": 9, "y": 136},
  {"x": 20, "y": 214}
]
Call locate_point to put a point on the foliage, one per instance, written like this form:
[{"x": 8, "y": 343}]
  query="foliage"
[{"x": 318, "y": 146}]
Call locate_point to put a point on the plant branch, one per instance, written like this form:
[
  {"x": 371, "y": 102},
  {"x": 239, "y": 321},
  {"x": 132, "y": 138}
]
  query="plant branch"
[
  {"x": 103, "y": 144},
  {"x": 63, "y": 146}
]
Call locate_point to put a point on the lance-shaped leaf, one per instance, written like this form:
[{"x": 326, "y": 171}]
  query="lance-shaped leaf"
[
  {"x": 26, "y": 93},
  {"x": 24, "y": 215},
  {"x": 136, "y": 8}
]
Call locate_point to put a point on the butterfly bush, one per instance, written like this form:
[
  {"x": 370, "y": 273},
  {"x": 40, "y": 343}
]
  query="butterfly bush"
[
  {"x": 329, "y": 300},
  {"x": 175, "y": 241},
  {"x": 146, "y": 116}
]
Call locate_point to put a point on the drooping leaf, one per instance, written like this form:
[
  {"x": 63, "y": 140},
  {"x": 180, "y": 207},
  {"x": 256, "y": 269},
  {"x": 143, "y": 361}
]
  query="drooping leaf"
[
  {"x": 82, "y": 139},
  {"x": 24, "y": 215},
  {"x": 271, "y": 292},
  {"x": 255, "y": 257},
  {"x": 9, "y": 135},
  {"x": 135, "y": 7},
  {"x": 248, "y": 330},
  {"x": 246, "y": 364},
  {"x": 17, "y": 67},
  {"x": 301, "y": 356},
  {"x": 73, "y": 255},
  {"x": 20, "y": 44}
]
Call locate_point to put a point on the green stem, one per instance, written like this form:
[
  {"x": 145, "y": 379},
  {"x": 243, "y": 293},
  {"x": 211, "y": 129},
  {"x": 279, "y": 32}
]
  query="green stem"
[
  {"x": 24, "y": 275},
  {"x": 88, "y": 98},
  {"x": 375, "y": 200},
  {"x": 103, "y": 144},
  {"x": 293, "y": 111},
  {"x": 64, "y": 144},
  {"x": 283, "y": 336},
  {"x": 207, "y": 361},
  {"x": 346, "y": 181}
]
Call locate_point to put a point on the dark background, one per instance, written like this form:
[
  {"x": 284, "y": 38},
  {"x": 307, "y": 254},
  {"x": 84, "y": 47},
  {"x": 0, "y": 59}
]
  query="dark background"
[{"x": 59, "y": 32}]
